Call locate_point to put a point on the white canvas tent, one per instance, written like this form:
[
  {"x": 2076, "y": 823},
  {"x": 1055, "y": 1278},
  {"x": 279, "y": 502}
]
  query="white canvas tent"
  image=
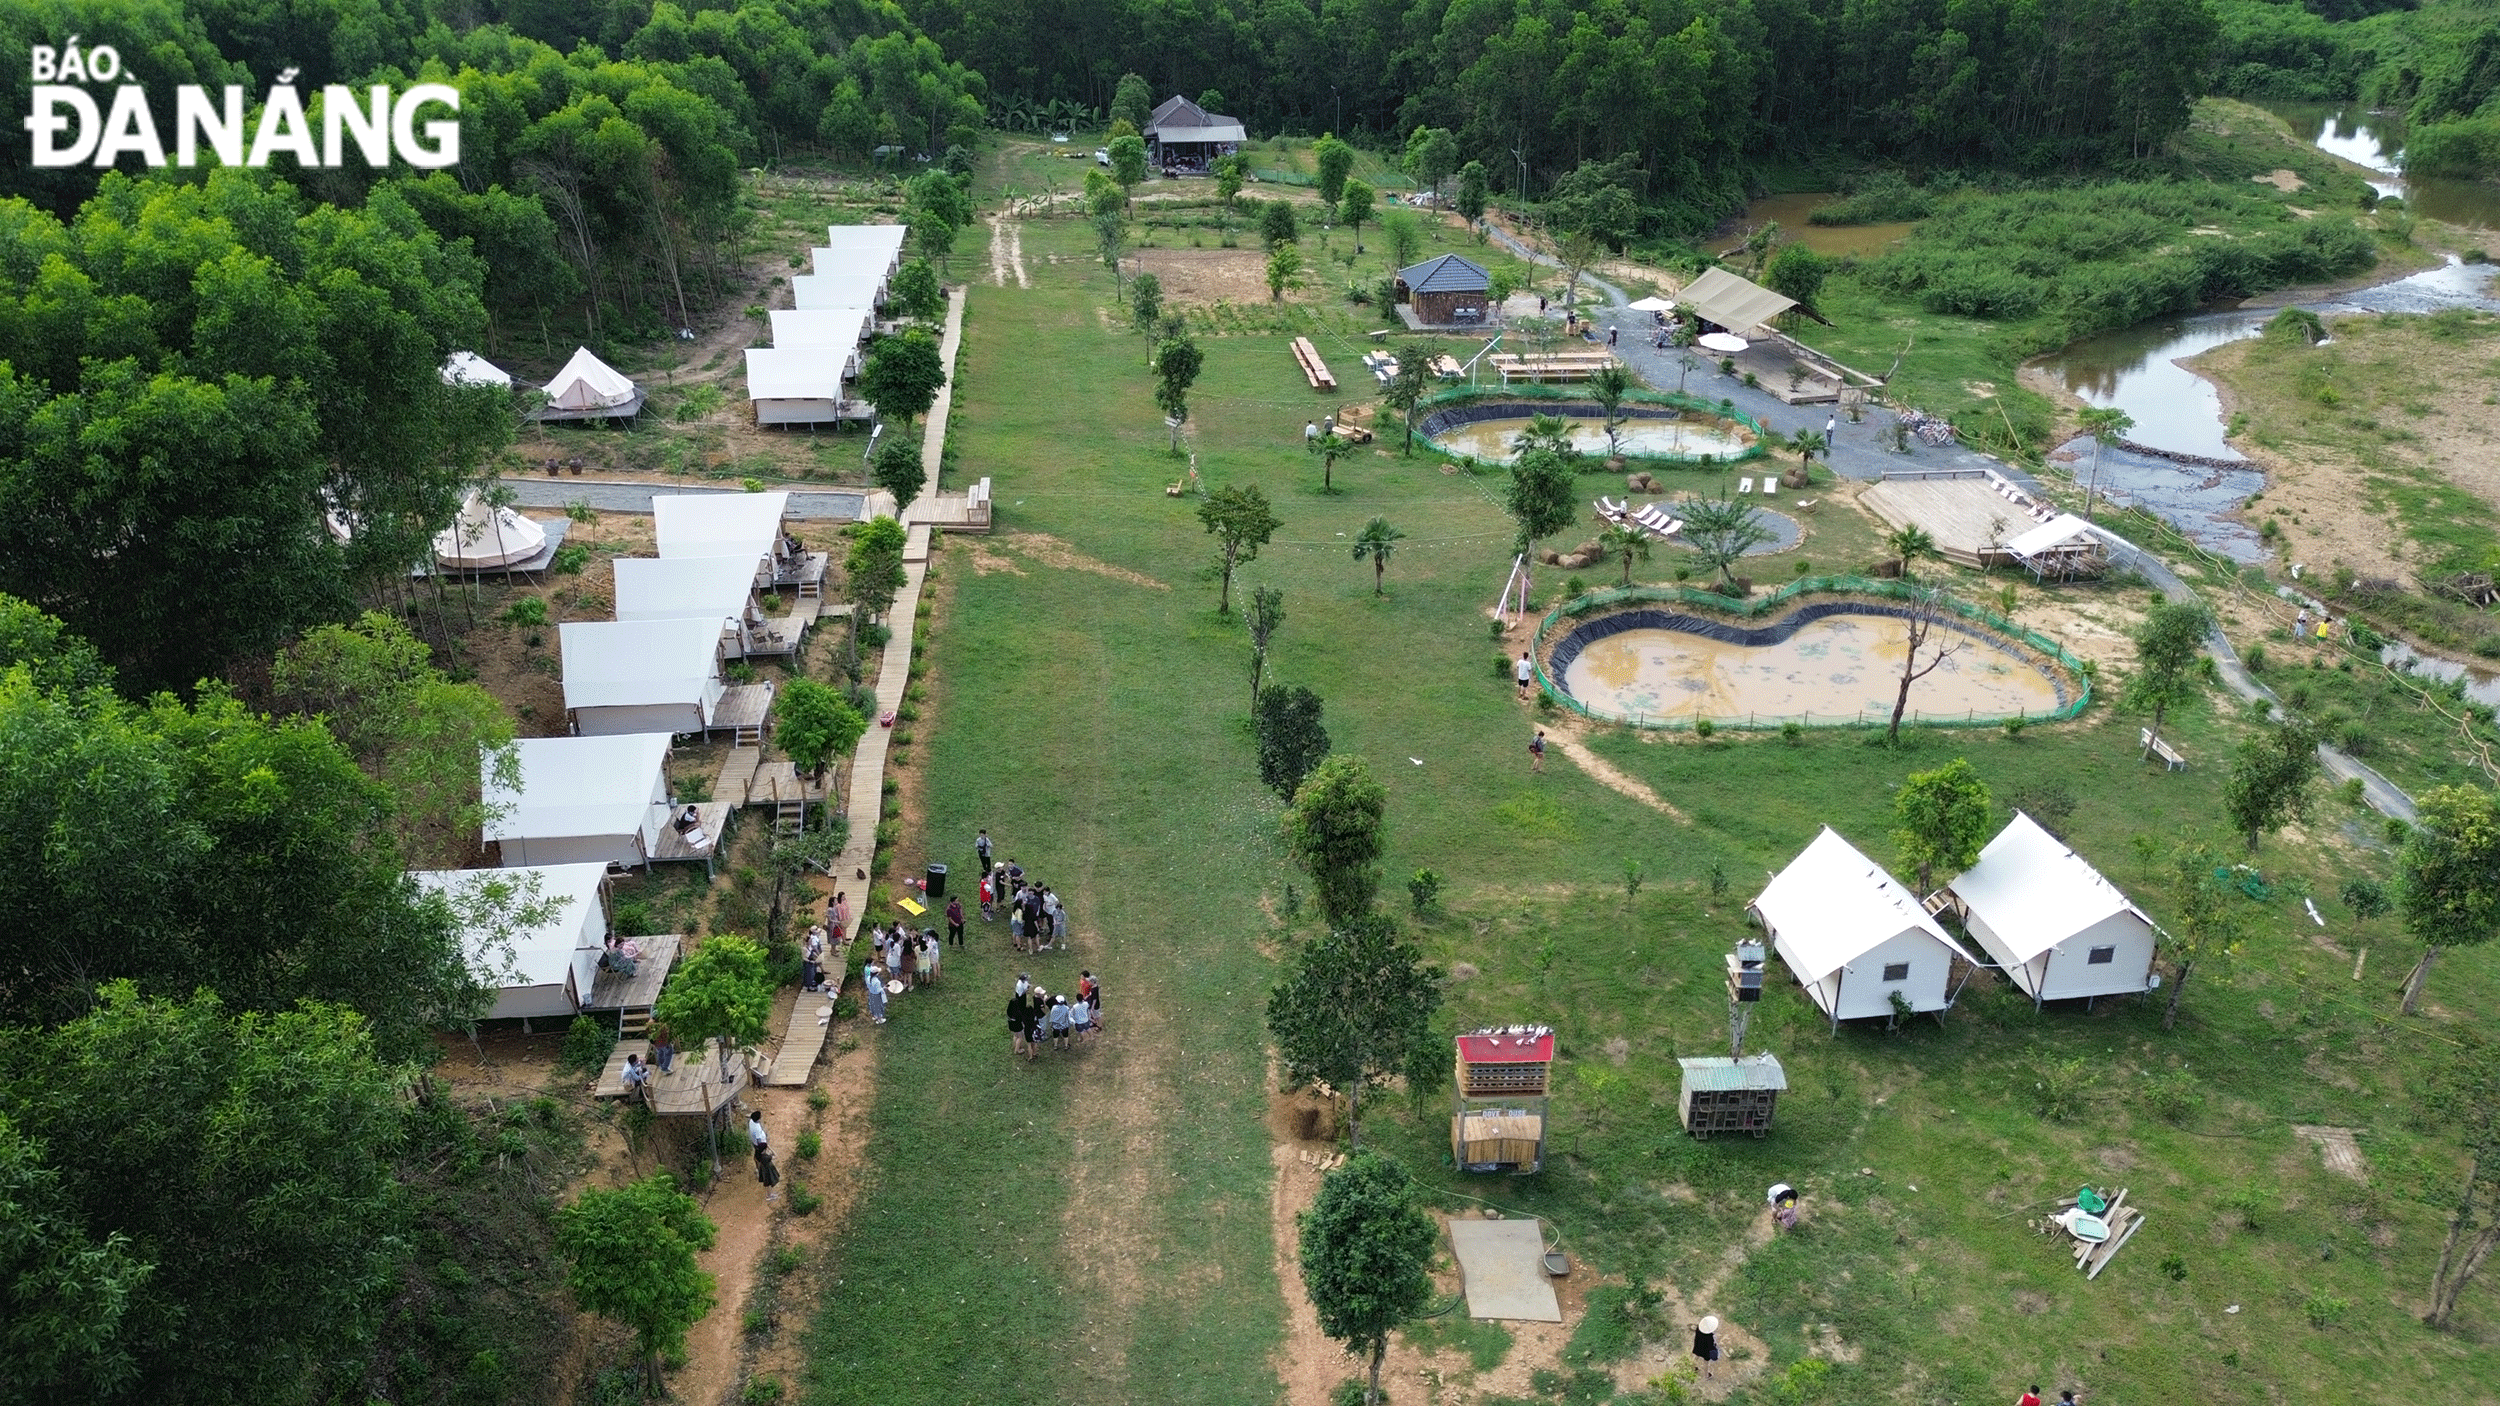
[
  {"x": 463, "y": 368},
  {"x": 842, "y": 329},
  {"x": 541, "y": 971},
  {"x": 2058, "y": 928},
  {"x": 483, "y": 538},
  {"x": 1853, "y": 935},
  {"x": 641, "y": 675},
  {"x": 684, "y": 588},
  {"x": 877, "y": 249},
  {"x": 720, "y": 525},
  {"x": 581, "y": 800},
  {"x": 844, "y": 285},
  {"x": 796, "y": 385},
  {"x": 588, "y": 387}
]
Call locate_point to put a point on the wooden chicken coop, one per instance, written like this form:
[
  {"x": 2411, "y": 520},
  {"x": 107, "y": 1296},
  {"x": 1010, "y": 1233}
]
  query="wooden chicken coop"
[
  {"x": 1723, "y": 1095},
  {"x": 1497, "y": 1123}
]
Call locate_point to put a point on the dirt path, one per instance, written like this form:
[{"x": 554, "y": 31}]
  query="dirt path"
[
  {"x": 1568, "y": 741},
  {"x": 1007, "y": 252}
]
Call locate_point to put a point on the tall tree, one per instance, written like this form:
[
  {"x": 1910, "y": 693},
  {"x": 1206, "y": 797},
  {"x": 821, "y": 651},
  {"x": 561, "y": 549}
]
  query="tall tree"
[
  {"x": 1431, "y": 155},
  {"x": 2450, "y": 893},
  {"x": 1284, "y": 269},
  {"x": 1145, "y": 301},
  {"x": 1336, "y": 162},
  {"x": 1278, "y": 224},
  {"x": 2167, "y": 647},
  {"x": 1132, "y": 101},
  {"x": 2465, "y": 1098},
  {"x": 1798, "y": 272},
  {"x": 1367, "y": 1249},
  {"x": 1405, "y": 234},
  {"x": 2270, "y": 780},
  {"x": 1336, "y": 830},
  {"x": 1177, "y": 364},
  {"x": 630, "y": 1256},
  {"x": 1474, "y": 185},
  {"x": 63, "y": 1289},
  {"x": 1608, "y": 386},
  {"x": 899, "y": 470},
  {"x": 815, "y": 724},
  {"x": 1357, "y": 1009},
  {"x": 1328, "y": 447},
  {"x": 1406, "y": 390},
  {"x": 916, "y": 292},
  {"x": 1291, "y": 738},
  {"x": 873, "y": 570},
  {"x": 1354, "y": 206},
  {"x": 1544, "y": 498},
  {"x": 1128, "y": 163},
  {"x": 1943, "y": 818},
  {"x": 2205, "y": 925},
  {"x": 243, "y": 1161},
  {"x": 722, "y": 994},
  {"x": 903, "y": 376},
  {"x": 2107, "y": 424},
  {"x": 1241, "y": 522},
  {"x": 1265, "y": 615},
  {"x": 1375, "y": 542},
  {"x": 1720, "y": 532}
]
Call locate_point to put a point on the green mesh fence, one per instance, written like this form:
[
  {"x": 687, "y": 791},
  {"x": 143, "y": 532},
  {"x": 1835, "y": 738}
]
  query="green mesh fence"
[
  {"x": 1710, "y": 603},
  {"x": 1579, "y": 395}
]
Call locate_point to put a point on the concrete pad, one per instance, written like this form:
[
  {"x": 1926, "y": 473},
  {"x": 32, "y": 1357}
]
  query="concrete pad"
[{"x": 1503, "y": 1264}]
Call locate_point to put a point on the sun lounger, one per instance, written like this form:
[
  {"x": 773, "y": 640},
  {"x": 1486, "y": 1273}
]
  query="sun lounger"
[{"x": 1744, "y": 485}]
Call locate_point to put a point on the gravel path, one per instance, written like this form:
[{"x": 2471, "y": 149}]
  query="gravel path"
[{"x": 613, "y": 496}]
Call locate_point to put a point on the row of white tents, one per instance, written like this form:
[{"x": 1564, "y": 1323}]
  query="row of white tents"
[
  {"x": 1855, "y": 937},
  {"x": 803, "y": 377}
]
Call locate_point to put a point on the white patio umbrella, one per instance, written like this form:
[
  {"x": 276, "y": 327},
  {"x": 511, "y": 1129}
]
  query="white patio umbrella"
[
  {"x": 1652, "y": 304},
  {"x": 1727, "y": 342}
]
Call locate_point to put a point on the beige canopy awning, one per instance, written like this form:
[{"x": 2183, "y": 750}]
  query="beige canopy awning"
[{"x": 1736, "y": 304}]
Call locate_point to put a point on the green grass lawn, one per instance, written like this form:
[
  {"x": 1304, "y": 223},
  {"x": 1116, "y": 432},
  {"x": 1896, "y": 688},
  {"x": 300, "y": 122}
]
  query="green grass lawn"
[{"x": 1097, "y": 1228}]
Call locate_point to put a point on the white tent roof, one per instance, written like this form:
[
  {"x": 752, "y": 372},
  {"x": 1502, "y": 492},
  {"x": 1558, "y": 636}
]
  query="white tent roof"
[
  {"x": 2033, "y": 892},
  {"x": 820, "y": 327},
  {"x": 1734, "y": 303},
  {"x": 718, "y": 524},
  {"x": 2057, "y": 532},
  {"x": 484, "y": 537},
  {"x": 587, "y": 383},
  {"x": 844, "y": 287},
  {"x": 684, "y": 588},
  {"x": 576, "y": 786},
  {"x": 541, "y": 954},
  {"x": 638, "y": 663},
  {"x": 469, "y": 369},
  {"x": 795, "y": 373},
  {"x": 1832, "y": 904},
  {"x": 881, "y": 239}
]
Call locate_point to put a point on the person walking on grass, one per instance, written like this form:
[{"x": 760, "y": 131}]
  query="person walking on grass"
[
  {"x": 1058, "y": 915},
  {"x": 981, "y": 850},
  {"x": 873, "y": 981},
  {"x": 1081, "y": 1017},
  {"x": 2029, "y": 1398},
  {"x": 1036, "y": 1022},
  {"x": 930, "y": 950},
  {"x": 1706, "y": 1345},
  {"x": 1536, "y": 752},
  {"x": 1525, "y": 672},
  {"x": 1015, "y": 1016},
  {"x": 955, "y": 920}
]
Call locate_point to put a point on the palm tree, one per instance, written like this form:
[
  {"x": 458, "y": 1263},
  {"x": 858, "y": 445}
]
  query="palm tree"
[
  {"x": 1909, "y": 544},
  {"x": 1608, "y": 387},
  {"x": 2107, "y": 424},
  {"x": 1805, "y": 444},
  {"x": 1627, "y": 541},
  {"x": 1328, "y": 448},
  {"x": 1376, "y": 541},
  {"x": 1545, "y": 432}
]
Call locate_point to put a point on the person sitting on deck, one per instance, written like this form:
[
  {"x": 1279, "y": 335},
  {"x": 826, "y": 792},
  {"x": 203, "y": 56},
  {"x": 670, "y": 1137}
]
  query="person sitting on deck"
[
  {"x": 689, "y": 818},
  {"x": 617, "y": 959},
  {"x": 637, "y": 1078}
]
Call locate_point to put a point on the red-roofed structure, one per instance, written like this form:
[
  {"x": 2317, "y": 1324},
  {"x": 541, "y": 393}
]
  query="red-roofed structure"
[{"x": 1497, "y": 1122}]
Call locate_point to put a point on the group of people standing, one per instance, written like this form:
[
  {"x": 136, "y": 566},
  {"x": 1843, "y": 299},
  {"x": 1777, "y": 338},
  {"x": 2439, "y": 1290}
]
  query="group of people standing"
[
  {"x": 1036, "y": 920},
  {"x": 899, "y": 958},
  {"x": 1060, "y": 1020}
]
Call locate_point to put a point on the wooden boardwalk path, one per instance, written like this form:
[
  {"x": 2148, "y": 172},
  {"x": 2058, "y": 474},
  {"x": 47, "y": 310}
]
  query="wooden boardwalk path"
[{"x": 810, "y": 1022}]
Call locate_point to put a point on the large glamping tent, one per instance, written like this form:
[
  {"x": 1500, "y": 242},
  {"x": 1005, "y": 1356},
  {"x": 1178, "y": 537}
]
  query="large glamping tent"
[
  {"x": 580, "y": 800},
  {"x": 590, "y": 389},
  {"x": 486, "y": 538},
  {"x": 1853, "y": 936},
  {"x": 2054, "y": 924},
  {"x": 542, "y": 971}
]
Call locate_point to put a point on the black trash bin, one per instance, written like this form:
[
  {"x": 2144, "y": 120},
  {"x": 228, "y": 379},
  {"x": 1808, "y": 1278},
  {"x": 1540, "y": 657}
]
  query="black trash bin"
[{"x": 937, "y": 881}]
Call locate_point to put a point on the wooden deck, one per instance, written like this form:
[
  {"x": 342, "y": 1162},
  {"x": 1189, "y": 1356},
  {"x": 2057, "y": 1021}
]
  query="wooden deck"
[
  {"x": 806, "y": 571},
  {"x": 743, "y": 709},
  {"x": 612, "y": 992},
  {"x": 681, "y": 1090},
  {"x": 1970, "y": 521},
  {"x": 737, "y": 775},
  {"x": 778, "y": 637},
  {"x": 968, "y": 511},
  {"x": 673, "y": 847}
]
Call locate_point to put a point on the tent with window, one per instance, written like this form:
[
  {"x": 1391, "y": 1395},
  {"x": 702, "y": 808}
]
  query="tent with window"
[
  {"x": 1853, "y": 936},
  {"x": 641, "y": 675},
  {"x": 483, "y": 538},
  {"x": 590, "y": 389},
  {"x": 721, "y": 525},
  {"x": 797, "y": 385},
  {"x": 2057, "y": 927},
  {"x": 539, "y": 970},
  {"x": 580, "y": 800}
]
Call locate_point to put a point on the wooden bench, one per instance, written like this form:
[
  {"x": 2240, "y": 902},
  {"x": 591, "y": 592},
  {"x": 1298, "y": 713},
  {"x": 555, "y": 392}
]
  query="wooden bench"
[
  {"x": 2159, "y": 747},
  {"x": 1314, "y": 370}
]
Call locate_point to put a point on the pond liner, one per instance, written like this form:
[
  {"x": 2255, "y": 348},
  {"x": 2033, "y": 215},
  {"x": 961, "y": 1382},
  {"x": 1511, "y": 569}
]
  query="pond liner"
[{"x": 1585, "y": 632}]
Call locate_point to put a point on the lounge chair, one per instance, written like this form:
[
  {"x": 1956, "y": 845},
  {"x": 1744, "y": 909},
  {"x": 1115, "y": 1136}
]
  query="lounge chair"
[
  {"x": 1744, "y": 485},
  {"x": 1610, "y": 510}
]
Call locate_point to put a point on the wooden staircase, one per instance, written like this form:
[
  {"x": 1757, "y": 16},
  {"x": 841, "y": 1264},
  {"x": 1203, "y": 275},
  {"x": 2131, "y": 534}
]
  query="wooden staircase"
[{"x": 634, "y": 1023}]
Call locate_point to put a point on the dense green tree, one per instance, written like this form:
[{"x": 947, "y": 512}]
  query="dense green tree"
[
  {"x": 1943, "y": 818},
  {"x": 1367, "y": 1249},
  {"x": 1431, "y": 155},
  {"x": 1544, "y": 496},
  {"x": 1145, "y": 300},
  {"x": 2270, "y": 778},
  {"x": 1132, "y": 101},
  {"x": 898, "y": 469},
  {"x": 815, "y": 724},
  {"x": 231, "y": 1174},
  {"x": 1356, "y": 1008},
  {"x": 1230, "y": 171},
  {"x": 903, "y": 376},
  {"x": 721, "y": 994},
  {"x": 2450, "y": 896},
  {"x": 1473, "y": 186},
  {"x": 1128, "y": 162},
  {"x": 1335, "y": 160},
  {"x": 1292, "y": 740},
  {"x": 2464, "y": 1099},
  {"x": 1241, "y": 522},
  {"x": 63, "y": 1290},
  {"x": 1720, "y": 532},
  {"x": 630, "y": 1252},
  {"x": 54, "y": 658},
  {"x": 1177, "y": 364},
  {"x": 916, "y": 292},
  {"x": 873, "y": 570},
  {"x": 2167, "y": 647},
  {"x": 1596, "y": 200},
  {"x": 1354, "y": 206},
  {"x": 1284, "y": 269},
  {"x": 1277, "y": 223},
  {"x": 1335, "y": 831},
  {"x": 1798, "y": 272}
]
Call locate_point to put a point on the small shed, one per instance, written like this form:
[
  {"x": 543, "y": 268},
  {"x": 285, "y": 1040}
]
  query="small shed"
[
  {"x": 1497, "y": 1121},
  {"x": 580, "y": 800},
  {"x": 721, "y": 525},
  {"x": 797, "y": 385},
  {"x": 1853, "y": 936},
  {"x": 2063, "y": 548},
  {"x": 541, "y": 971},
  {"x": 1731, "y": 303},
  {"x": 590, "y": 389},
  {"x": 484, "y": 538},
  {"x": 1723, "y": 1095},
  {"x": 1446, "y": 291},
  {"x": 870, "y": 249},
  {"x": 2054, "y": 924},
  {"x": 1184, "y": 138},
  {"x": 641, "y": 675}
]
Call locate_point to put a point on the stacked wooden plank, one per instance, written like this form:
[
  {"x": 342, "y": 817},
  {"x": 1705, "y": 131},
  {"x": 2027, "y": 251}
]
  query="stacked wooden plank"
[
  {"x": 2123, "y": 1221},
  {"x": 1314, "y": 370}
]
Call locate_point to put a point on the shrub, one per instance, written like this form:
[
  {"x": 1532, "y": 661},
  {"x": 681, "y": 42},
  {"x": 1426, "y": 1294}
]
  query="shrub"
[
  {"x": 2174, "y": 1268},
  {"x": 1793, "y": 732},
  {"x": 803, "y": 1202},
  {"x": 762, "y": 1391},
  {"x": 526, "y": 611},
  {"x": 2251, "y": 1202},
  {"x": 1501, "y": 662},
  {"x": 2172, "y": 1097},
  {"x": 2062, "y": 1089},
  {"x": 2014, "y": 725},
  {"x": 811, "y": 1143},
  {"x": 570, "y": 558},
  {"x": 587, "y": 1044},
  {"x": 1703, "y": 728},
  {"x": 819, "y": 1099},
  {"x": 1424, "y": 890},
  {"x": 786, "y": 1259},
  {"x": 2324, "y": 1310}
]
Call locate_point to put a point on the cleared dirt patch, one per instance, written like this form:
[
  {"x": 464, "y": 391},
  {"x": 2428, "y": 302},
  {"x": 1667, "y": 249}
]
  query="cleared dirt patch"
[
  {"x": 1204, "y": 275},
  {"x": 1050, "y": 551}
]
